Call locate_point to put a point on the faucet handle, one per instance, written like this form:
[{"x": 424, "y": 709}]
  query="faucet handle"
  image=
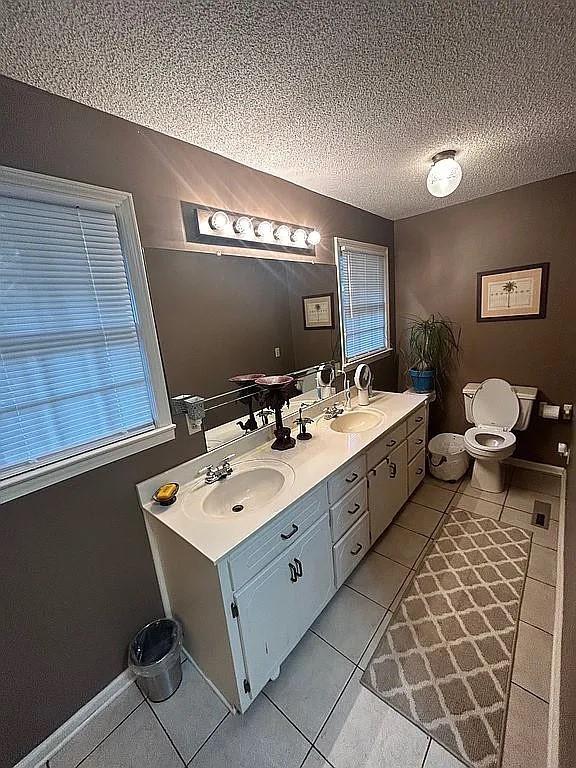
[{"x": 208, "y": 471}]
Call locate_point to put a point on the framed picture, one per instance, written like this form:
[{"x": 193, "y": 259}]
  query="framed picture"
[
  {"x": 318, "y": 311},
  {"x": 516, "y": 293}
]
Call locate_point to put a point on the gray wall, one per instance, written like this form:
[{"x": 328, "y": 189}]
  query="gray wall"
[
  {"x": 75, "y": 567},
  {"x": 437, "y": 257}
]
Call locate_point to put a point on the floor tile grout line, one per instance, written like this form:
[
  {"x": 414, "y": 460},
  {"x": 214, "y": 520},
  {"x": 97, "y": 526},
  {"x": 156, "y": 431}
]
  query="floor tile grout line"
[
  {"x": 334, "y": 647},
  {"x": 154, "y": 714},
  {"x": 540, "y": 581},
  {"x": 527, "y": 690},
  {"x": 410, "y": 567},
  {"x": 427, "y": 750},
  {"x": 207, "y": 739},
  {"x": 386, "y": 607},
  {"x": 330, "y": 714},
  {"x": 426, "y": 535},
  {"x": 292, "y": 723},
  {"x": 534, "y": 625},
  {"x": 140, "y": 703}
]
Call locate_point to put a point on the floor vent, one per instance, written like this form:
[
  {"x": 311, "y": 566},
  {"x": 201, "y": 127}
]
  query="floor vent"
[{"x": 541, "y": 514}]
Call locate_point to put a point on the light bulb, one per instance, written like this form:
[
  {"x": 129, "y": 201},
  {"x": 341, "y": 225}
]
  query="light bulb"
[
  {"x": 264, "y": 229},
  {"x": 219, "y": 220},
  {"x": 314, "y": 237},
  {"x": 282, "y": 233},
  {"x": 242, "y": 225},
  {"x": 445, "y": 174},
  {"x": 299, "y": 237}
]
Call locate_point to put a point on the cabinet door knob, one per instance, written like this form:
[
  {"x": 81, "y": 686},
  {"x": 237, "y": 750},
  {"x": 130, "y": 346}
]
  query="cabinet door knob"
[
  {"x": 418, "y": 419},
  {"x": 390, "y": 443},
  {"x": 419, "y": 441},
  {"x": 353, "y": 511},
  {"x": 356, "y": 549},
  {"x": 393, "y": 470},
  {"x": 353, "y": 477},
  {"x": 419, "y": 471},
  {"x": 293, "y": 573},
  {"x": 298, "y": 565},
  {"x": 292, "y": 532}
]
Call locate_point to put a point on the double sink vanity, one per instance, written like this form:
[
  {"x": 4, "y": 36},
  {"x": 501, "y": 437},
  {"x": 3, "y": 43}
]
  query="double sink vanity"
[{"x": 248, "y": 562}]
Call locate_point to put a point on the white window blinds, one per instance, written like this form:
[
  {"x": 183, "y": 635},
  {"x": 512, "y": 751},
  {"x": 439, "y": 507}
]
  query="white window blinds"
[
  {"x": 72, "y": 372},
  {"x": 363, "y": 291}
]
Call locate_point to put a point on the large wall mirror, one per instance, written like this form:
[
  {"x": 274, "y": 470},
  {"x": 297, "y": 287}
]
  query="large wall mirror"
[{"x": 221, "y": 317}]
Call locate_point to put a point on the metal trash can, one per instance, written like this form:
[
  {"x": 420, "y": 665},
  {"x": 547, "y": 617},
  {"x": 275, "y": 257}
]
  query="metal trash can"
[{"x": 154, "y": 657}]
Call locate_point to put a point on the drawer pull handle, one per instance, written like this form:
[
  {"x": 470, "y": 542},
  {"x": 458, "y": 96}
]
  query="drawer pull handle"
[
  {"x": 353, "y": 511},
  {"x": 356, "y": 549},
  {"x": 353, "y": 477},
  {"x": 390, "y": 443},
  {"x": 393, "y": 470},
  {"x": 298, "y": 565},
  {"x": 418, "y": 419},
  {"x": 419, "y": 441},
  {"x": 292, "y": 532},
  {"x": 419, "y": 471},
  {"x": 293, "y": 573}
]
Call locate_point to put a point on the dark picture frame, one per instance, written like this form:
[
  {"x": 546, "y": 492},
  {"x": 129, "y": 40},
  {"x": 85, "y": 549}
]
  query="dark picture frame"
[
  {"x": 321, "y": 324},
  {"x": 505, "y": 283}
]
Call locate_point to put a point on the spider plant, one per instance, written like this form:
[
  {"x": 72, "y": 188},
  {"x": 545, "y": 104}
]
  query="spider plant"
[{"x": 433, "y": 344}]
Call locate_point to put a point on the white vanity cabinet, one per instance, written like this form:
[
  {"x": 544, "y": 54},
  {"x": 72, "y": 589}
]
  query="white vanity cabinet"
[{"x": 244, "y": 612}]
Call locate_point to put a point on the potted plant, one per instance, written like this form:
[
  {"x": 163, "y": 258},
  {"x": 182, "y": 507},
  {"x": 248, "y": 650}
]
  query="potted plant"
[{"x": 433, "y": 343}]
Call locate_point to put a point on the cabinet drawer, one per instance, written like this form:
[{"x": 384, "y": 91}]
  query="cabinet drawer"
[
  {"x": 351, "y": 549},
  {"x": 416, "y": 471},
  {"x": 277, "y": 536},
  {"x": 416, "y": 441},
  {"x": 383, "y": 447},
  {"x": 342, "y": 480},
  {"x": 349, "y": 509},
  {"x": 416, "y": 419}
]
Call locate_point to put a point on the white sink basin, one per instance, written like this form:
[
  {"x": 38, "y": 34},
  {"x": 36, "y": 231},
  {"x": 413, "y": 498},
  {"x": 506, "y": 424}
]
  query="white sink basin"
[
  {"x": 357, "y": 421},
  {"x": 252, "y": 485}
]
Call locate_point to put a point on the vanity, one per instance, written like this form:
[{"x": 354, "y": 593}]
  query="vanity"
[{"x": 249, "y": 562}]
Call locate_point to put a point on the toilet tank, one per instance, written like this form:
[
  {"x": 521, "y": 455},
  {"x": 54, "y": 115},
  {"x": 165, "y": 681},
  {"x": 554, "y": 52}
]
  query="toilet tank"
[{"x": 526, "y": 398}]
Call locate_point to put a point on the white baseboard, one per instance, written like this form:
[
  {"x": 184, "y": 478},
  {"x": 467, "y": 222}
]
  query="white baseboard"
[
  {"x": 79, "y": 719},
  {"x": 549, "y": 469}
]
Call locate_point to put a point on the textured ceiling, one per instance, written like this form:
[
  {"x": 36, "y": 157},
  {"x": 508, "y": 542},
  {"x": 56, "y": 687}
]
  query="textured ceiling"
[{"x": 346, "y": 98}]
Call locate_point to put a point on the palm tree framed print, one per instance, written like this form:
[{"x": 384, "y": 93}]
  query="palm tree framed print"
[{"x": 515, "y": 293}]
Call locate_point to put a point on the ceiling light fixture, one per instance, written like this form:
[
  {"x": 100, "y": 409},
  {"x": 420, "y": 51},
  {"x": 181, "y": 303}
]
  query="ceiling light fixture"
[
  {"x": 264, "y": 229},
  {"x": 445, "y": 174},
  {"x": 314, "y": 237},
  {"x": 299, "y": 237},
  {"x": 219, "y": 220}
]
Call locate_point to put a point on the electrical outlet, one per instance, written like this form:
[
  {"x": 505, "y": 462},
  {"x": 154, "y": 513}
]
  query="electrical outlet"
[{"x": 276, "y": 351}]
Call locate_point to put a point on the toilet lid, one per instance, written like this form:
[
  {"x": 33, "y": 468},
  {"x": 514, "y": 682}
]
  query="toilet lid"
[{"x": 495, "y": 404}]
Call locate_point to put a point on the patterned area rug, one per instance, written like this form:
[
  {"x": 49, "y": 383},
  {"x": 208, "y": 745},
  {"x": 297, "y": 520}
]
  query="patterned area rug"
[{"x": 445, "y": 661}]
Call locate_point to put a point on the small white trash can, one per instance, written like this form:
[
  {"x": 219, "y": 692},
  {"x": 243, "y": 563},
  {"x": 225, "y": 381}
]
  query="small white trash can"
[{"x": 447, "y": 457}]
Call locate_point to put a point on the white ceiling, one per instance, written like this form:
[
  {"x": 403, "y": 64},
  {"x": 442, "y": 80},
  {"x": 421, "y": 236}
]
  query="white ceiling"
[{"x": 351, "y": 99}]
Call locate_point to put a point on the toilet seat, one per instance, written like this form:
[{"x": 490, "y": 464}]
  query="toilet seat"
[
  {"x": 495, "y": 404},
  {"x": 489, "y": 441}
]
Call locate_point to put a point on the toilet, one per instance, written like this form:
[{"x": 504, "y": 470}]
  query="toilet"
[{"x": 495, "y": 407}]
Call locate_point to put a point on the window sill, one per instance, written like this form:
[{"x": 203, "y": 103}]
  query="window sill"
[
  {"x": 35, "y": 479},
  {"x": 368, "y": 359}
]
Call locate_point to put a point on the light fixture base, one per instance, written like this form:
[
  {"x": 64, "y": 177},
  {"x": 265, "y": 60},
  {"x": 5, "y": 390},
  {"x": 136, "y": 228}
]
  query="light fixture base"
[{"x": 443, "y": 155}]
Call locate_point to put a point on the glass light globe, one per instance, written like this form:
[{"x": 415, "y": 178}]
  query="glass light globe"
[
  {"x": 314, "y": 237},
  {"x": 445, "y": 174},
  {"x": 299, "y": 237},
  {"x": 264, "y": 229},
  {"x": 242, "y": 225},
  {"x": 282, "y": 233},
  {"x": 219, "y": 220}
]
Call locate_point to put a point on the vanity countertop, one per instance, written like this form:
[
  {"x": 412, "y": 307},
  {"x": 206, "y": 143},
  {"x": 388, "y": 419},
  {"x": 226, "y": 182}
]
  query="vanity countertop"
[{"x": 311, "y": 462}]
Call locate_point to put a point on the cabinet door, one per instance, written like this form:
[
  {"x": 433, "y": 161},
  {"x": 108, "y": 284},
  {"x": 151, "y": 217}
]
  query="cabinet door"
[
  {"x": 387, "y": 490},
  {"x": 278, "y": 605}
]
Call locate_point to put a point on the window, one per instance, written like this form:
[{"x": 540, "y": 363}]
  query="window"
[
  {"x": 364, "y": 301},
  {"x": 81, "y": 381}
]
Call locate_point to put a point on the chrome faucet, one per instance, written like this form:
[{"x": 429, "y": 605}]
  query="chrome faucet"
[
  {"x": 347, "y": 393},
  {"x": 219, "y": 472},
  {"x": 333, "y": 411}
]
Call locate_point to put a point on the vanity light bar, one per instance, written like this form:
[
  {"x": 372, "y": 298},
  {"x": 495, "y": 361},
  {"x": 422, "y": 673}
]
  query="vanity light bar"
[{"x": 253, "y": 229}]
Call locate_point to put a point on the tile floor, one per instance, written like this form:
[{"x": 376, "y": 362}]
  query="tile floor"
[{"x": 317, "y": 715}]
